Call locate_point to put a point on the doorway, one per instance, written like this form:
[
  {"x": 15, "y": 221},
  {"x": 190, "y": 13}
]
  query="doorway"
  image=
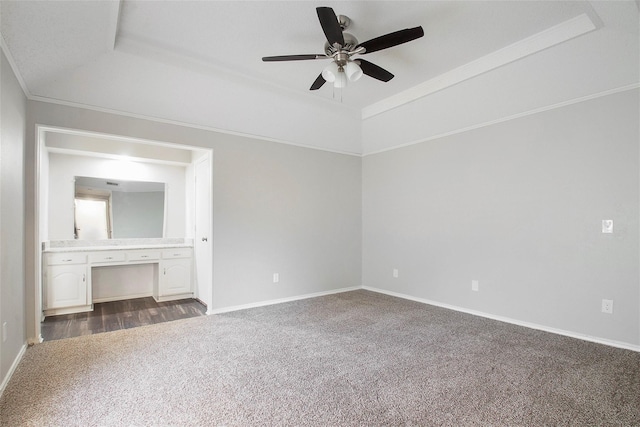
[{"x": 92, "y": 218}]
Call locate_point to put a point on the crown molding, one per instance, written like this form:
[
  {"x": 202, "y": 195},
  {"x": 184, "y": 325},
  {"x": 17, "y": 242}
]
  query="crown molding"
[
  {"x": 12, "y": 63},
  {"x": 183, "y": 124}
]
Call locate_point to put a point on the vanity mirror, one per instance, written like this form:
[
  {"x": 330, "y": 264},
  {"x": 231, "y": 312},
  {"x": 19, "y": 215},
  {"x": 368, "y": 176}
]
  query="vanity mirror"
[{"x": 118, "y": 209}]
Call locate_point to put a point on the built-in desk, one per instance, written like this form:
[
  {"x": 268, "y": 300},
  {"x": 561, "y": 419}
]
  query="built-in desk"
[{"x": 67, "y": 273}]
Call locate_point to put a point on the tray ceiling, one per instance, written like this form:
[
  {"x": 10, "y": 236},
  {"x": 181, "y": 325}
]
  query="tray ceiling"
[{"x": 200, "y": 62}]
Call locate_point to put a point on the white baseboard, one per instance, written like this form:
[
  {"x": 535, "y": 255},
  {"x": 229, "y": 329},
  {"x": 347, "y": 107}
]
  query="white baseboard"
[
  {"x": 598, "y": 340},
  {"x": 12, "y": 369},
  {"x": 280, "y": 300},
  {"x": 39, "y": 340}
]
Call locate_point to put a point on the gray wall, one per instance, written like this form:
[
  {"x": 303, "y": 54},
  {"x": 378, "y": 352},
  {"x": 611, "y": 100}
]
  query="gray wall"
[
  {"x": 12, "y": 223},
  {"x": 517, "y": 206},
  {"x": 276, "y": 208},
  {"x": 287, "y": 210}
]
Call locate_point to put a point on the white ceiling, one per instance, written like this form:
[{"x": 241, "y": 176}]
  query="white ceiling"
[{"x": 200, "y": 62}]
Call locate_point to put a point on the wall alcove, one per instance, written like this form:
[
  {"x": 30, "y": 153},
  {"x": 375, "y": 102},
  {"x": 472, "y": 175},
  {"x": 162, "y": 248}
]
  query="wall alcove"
[{"x": 186, "y": 172}]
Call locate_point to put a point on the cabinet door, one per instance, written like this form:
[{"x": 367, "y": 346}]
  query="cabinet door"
[
  {"x": 175, "y": 277},
  {"x": 66, "y": 286}
]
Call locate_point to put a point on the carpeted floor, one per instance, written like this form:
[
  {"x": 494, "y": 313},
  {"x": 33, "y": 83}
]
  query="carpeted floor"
[{"x": 356, "y": 358}]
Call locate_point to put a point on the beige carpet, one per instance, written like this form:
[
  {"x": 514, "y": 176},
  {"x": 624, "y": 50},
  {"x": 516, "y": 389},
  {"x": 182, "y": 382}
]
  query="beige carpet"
[{"x": 356, "y": 358}]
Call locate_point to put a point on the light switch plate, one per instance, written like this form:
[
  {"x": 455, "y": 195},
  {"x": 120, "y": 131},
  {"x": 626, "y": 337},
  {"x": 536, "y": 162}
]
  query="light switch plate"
[
  {"x": 475, "y": 285},
  {"x": 607, "y": 226}
]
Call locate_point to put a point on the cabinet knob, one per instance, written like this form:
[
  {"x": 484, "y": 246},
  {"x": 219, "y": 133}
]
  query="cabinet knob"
[{"x": 204, "y": 239}]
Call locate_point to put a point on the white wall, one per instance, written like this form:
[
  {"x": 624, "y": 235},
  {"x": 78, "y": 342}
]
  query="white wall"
[
  {"x": 123, "y": 281},
  {"x": 12, "y": 218},
  {"x": 276, "y": 208},
  {"x": 517, "y": 206},
  {"x": 64, "y": 167}
]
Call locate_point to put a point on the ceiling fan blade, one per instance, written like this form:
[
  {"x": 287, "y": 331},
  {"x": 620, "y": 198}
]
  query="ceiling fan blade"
[
  {"x": 392, "y": 39},
  {"x": 330, "y": 25},
  {"x": 318, "y": 83},
  {"x": 372, "y": 70},
  {"x": 292, "y": 57}
]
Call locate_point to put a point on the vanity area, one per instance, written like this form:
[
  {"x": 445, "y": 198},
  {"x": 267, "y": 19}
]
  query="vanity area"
[
  {"x": 68, "y": 267},
  {"x": 121, "y": 220}
]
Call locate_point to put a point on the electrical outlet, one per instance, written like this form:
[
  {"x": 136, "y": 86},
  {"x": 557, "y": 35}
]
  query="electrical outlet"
[
  {"x": 4, "y": 332},
  {"x": 475, "y": 286},
  {"x": 607, "y": 306},
  {"x": 395, "y": 273},
  {"x": 276, "y": 277}
]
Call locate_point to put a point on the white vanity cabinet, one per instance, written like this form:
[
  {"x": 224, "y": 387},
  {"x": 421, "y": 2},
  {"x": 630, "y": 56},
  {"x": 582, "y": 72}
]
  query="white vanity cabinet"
[
  {"x": 68, "y": 283},
  {"x": 175, "y": 275},
  {"x": 67, "y": 274}
]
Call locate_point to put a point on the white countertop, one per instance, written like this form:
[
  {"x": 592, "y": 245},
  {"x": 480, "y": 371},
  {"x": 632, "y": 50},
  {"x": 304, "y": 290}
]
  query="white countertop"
[
  {"x": 114, "y": 248},
  {"x": 114, "y": 245}
]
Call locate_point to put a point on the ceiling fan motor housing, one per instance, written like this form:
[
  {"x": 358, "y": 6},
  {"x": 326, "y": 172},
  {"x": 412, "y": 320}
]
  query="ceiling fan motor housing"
[{"x": 350, "y": 43}]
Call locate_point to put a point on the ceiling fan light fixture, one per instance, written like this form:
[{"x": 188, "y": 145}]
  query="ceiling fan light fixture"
[
  {"x": 330, "y": 72},
  {"x": 353, "y": 71}
]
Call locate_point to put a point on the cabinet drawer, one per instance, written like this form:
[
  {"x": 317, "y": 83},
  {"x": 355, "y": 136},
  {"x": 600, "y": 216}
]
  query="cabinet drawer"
[
  {"x": 66, "y": 258},
  {"x": 144, "y": 255},
  {"x": 176, "y": 253},
  {"x": 115, "y": 256}
]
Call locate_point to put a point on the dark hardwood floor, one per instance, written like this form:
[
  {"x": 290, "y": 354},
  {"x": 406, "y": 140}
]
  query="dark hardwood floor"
[{"x": 114, "y": 315}]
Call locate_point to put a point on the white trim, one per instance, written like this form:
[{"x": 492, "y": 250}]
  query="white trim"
[
  {"x": 14, "y": 67},
  {"x": 553, "y": 36},
  {"x": 280, "y": 300},
  {"x": 12, "y": 369},
  {"x": 36, "y": 240},
  {"x": 116, "y": 137},
  {"x": 74, "y": 152},
  {"x": 38, "y": 340},
  {"x": 113, "y": 137},
  {"x": 512, "y": 117},
  {"x": 206, "y": 157},
  {"x": 584, "y": 337},
  {"x": 184, "y": 124}
]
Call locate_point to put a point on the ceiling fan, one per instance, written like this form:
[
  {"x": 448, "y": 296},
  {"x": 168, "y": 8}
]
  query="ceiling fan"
[{"x": 341, "y": 46}]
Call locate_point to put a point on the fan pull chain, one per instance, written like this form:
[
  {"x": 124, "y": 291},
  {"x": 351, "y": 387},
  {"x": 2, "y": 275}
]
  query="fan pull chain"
[{"x": 339, "y": 91}]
